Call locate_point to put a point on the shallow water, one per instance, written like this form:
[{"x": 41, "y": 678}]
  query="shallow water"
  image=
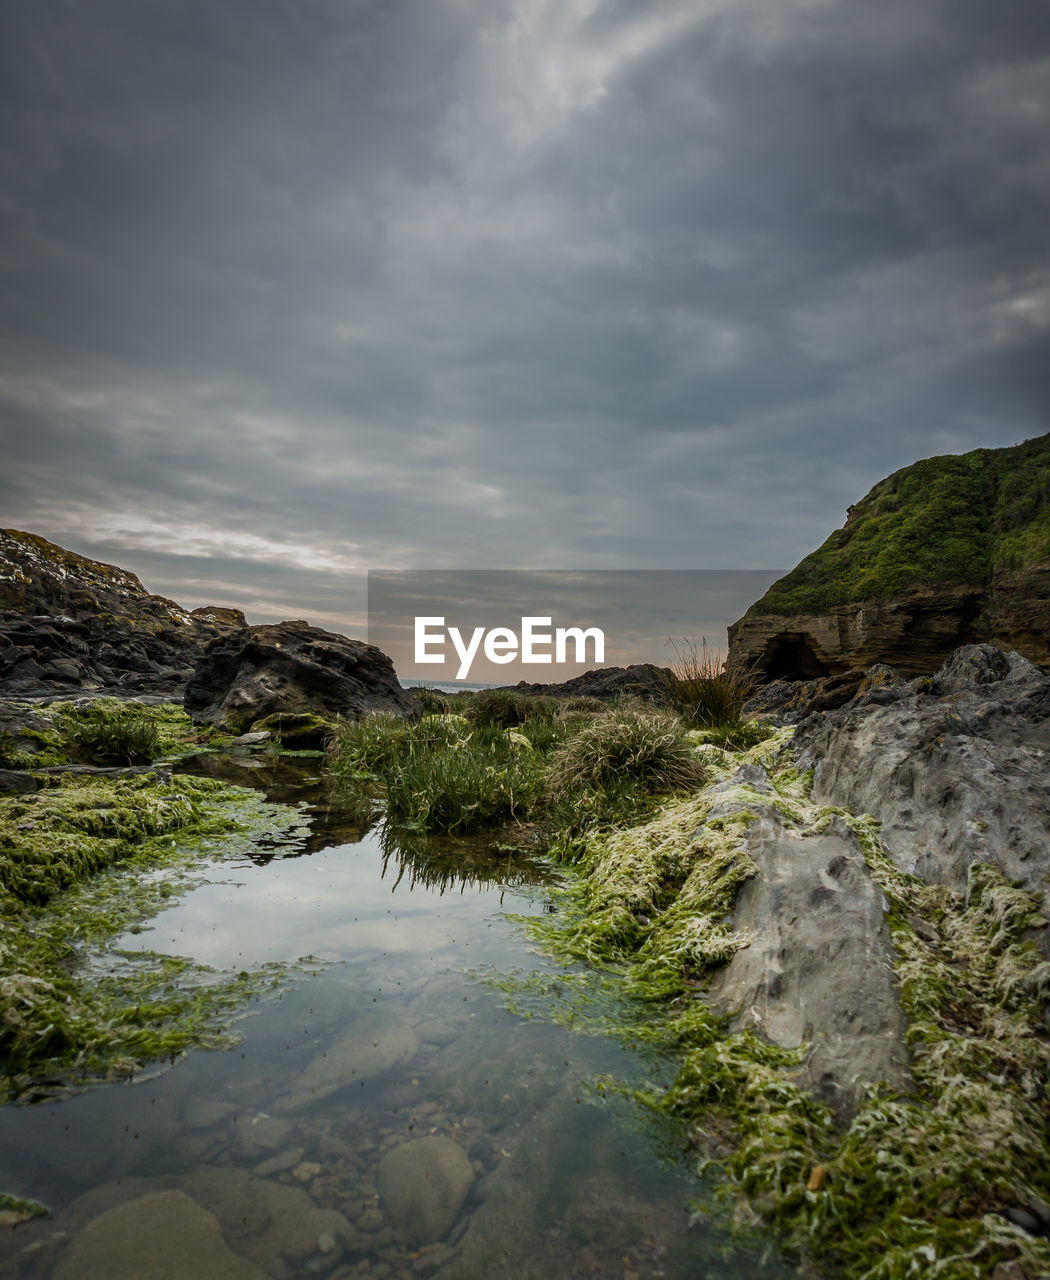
[{"x": 395, "y": 1039}]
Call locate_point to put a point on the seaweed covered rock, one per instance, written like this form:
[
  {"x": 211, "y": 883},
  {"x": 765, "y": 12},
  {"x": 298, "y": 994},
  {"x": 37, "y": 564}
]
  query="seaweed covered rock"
[
  {"x": 291, "y": 668},
  {"x": 294, "y": 730},
  {"x": 949, "y": 551},
  {"x": 953, "y": 766},
  {"x": 70, "y": 624}
]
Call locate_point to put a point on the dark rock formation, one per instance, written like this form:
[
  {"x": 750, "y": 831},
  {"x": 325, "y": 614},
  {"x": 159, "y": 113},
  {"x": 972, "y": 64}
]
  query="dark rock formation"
[
  {"x": 953, "y": 766},
  {"x": 291, "y": 668},
  {"x": 949, "y": 551},
  {"x": 641, "y": 680},
  {"x": 71, "y": 625},
  {"x": 789, "y": 701}
]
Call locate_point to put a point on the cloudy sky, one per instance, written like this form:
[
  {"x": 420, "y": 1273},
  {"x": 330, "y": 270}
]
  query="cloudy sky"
[{"x": 296, "y": 288}]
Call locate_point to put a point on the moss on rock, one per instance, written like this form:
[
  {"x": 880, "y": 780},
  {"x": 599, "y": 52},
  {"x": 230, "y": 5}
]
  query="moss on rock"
[
  {"x": 103, "y": 731},
  {"x": 920, "y": 1183},
  {"x": 950, "y": 521},
  {"x": 81, "y": 863},
  {"x": 297, "y": 730}
]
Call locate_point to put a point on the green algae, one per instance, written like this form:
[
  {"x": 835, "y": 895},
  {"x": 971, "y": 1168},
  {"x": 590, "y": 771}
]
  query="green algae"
[
  {"x": 15, "y": 1209},
  {"x": 104, "y": 731},
  {"x": 83, "y": 863},
  {"x": 52, "y": 839},
  {"x": 917, "y": 1184}
]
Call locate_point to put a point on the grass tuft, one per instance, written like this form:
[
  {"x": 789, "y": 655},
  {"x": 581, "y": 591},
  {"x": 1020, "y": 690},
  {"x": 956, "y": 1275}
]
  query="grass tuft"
[
  {"x": 710, "y": 694},
  {"x": 507, "y": 709},
  {"x": 646, "y": 748}
]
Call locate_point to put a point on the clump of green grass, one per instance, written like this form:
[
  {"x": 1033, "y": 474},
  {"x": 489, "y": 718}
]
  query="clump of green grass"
[
  {"x": 710, "y": 694},
  {"x": 371, "y": 746},
  {"x": 108, "y": 731},
  {"x": 649, "y": 748},
  {"x": 442, "y": 774},
  {"x": 507, "y": 709},
  {"x": 452, "y": 773},
  {"x": 111, "y": 732},
  {"x": 570, "y": 706},
  {"x": 475, "y": 784},
  {"x": 431, "y": 701}
]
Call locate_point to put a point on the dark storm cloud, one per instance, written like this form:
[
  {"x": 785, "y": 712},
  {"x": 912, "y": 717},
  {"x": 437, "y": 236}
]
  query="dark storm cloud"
[{"x": 290, "y": 290}]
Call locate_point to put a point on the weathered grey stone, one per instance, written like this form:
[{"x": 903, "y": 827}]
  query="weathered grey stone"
[
  {"x": 424, "y": 1184},
  {"x": 161, "y": 1236},
  {"x": 640, "y": 680},
  {"x": 68, "y": 623},
  {"x": 955, "y": 770},
  {"x": 16, "y": 782},
  {"x": 818, "y": 967}
]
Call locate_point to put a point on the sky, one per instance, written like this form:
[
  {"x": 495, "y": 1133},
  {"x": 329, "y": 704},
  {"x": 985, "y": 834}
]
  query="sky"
[{"x": 295, "y": 289}]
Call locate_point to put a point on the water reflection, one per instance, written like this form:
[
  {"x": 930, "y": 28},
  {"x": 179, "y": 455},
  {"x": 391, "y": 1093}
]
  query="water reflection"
[
  {"x": 446, "y": 863},
  {"x": 388, "y": 1091},
  {"x": 337, "y": 813},
  {"x": 344, "y": 813}
]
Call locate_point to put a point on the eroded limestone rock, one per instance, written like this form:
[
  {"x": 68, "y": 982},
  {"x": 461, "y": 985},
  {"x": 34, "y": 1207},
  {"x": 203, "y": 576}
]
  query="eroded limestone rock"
[
  {"x": 954, "y": 767},
  {"x": 818, "y": 966}
]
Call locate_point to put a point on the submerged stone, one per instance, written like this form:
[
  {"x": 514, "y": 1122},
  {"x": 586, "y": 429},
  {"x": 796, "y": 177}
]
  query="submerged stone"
[
  {"x": 203, "y": 1113},
  {"x": 162, "y": 1236},
  {"x": 265, "y": 1219},
  {"x": 373, "y": 1046},
  {"x": 424, "y": 1185}
]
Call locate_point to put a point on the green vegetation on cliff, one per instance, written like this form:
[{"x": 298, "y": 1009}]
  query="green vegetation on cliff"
[{"x": 951, "y": 521}]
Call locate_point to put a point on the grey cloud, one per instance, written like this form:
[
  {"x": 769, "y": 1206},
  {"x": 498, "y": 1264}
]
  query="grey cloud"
[{"x": 465, "y": 284}]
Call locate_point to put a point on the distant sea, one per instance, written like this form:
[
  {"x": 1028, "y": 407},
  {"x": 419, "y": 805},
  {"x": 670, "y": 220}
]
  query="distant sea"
[{"x": 453, "y": 686}]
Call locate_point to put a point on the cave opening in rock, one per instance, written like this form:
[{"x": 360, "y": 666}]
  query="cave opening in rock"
[{"x": 791, "y": 657}]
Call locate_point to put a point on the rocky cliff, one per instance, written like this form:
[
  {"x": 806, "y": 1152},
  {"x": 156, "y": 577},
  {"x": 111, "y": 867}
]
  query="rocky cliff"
[
  {"x": 69, "y": 624},
  {"x": 291, "y": 671},
  {"x": 952, "y": 550}
]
